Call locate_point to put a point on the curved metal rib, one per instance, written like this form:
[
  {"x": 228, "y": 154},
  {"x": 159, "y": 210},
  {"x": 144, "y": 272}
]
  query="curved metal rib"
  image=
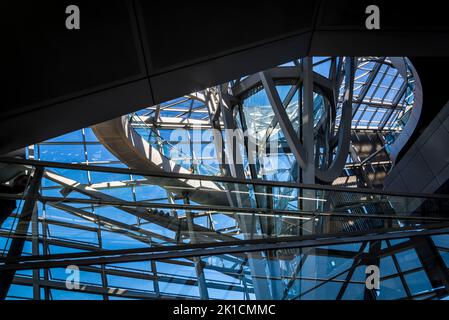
[
  {"x": 128, "y": 146},
  {"x": 401, "y": 65},
  {"x": 344, "y": 131}
]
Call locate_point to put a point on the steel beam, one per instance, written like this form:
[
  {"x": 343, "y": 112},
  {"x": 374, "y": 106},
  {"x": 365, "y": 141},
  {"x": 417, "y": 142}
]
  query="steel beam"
[
  {"x": 211, "y": 249},
  {"x": 160, "y": 174},
  {"x": 287, "y": 128},
  {"x": 19, "y": 236}
]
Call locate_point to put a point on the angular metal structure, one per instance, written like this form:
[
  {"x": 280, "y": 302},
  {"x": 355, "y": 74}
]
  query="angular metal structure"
[{"x": 264, "y": 187}]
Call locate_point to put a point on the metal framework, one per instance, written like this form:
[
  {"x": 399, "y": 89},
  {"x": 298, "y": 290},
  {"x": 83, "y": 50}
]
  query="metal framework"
[
  {"x": 373, "y": 95},
  {"x": 219, "y": 250},
  {"x": 144, "y": 213}
]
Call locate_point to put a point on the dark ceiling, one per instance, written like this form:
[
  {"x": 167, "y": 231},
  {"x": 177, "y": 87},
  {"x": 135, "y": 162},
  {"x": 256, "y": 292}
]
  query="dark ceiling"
[{"x": 131, "y": 54}]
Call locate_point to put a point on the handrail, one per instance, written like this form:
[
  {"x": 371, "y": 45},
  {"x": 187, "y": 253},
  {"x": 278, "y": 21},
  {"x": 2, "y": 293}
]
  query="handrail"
[
  {"x": 173, "y": 175},
  {"x": 218, "y": 208}
]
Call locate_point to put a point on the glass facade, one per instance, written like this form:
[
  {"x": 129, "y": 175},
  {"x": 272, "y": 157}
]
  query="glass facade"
[{"x": 145, "y": 207}]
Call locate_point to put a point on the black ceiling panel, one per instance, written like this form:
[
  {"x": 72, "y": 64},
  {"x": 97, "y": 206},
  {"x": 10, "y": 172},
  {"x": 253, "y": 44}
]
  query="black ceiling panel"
[
  {"x": 176, "y": 48},
  {"x": 190, "y": 31},
  {"x": 46, "y": 61},
  {"x": 394, "y": 15}
]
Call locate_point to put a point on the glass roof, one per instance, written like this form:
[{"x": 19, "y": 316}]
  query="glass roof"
[{"x": 89, "y": 210}]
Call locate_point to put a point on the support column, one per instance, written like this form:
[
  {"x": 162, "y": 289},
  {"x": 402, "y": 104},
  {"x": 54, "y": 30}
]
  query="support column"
[
  {"x": 202, "y": 286},
  {"x": 19, "y": 237},
  {"x": 308, "y": 172},
  {"x": 256, "y": 261},
  {"x": 35, "y": 252}
]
